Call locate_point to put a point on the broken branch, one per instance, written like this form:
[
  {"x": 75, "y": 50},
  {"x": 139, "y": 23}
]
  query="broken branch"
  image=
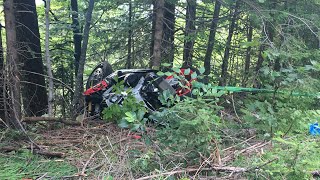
[{"x": 48, "y": 119}]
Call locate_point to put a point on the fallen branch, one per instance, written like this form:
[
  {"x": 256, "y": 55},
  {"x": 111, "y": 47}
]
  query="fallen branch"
[
  {"x": 226, "y": 168},
  {"x": 9, "y": 149},
  {"x": 82, "y": 173},
  {"x": 65, "y": 141},
  {"x": 49, "y": 154},
  {"x": 50, "y": 119}
]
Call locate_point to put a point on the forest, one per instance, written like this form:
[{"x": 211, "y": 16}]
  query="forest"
[{"x": 235, "y": 89}]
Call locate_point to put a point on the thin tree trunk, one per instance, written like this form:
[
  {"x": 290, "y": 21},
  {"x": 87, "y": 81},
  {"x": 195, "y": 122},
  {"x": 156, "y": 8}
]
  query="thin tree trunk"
[
  {"x": 269, "y": 32},
  {"x": 34, "y": 93},
  {"x": 190, "y": 33},
  {"x": 168, "y": 32},
  {"x": 48, "y": 59},
  {"x": 248, "y": 54},
  {"x": 77, "y": 37},
  {"x": 77, "y": 97},
  {"x": 156, "y": 60},
  {"x": 130, "y": 34},
  {"x": 12, "y": 62},
  {"x": 224, "y": 66},
  {"x": 211, "y": 40}
]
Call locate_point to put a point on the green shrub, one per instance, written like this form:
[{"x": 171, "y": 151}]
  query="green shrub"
[
  {"x": 296, "y": 156},
  {"x": 189, "y": 129}
]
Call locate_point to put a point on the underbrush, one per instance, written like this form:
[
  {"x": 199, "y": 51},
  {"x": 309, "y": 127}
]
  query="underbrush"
[
  {"x": 258, "y": 137},
  {"x": 262, "y": 137},
  {"x": 24, "y": 165},
  {"x": 296, "y": 157}
]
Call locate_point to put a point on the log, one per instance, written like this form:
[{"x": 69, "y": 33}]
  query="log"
[
  {"x": 6, "y": 149},
  {"x": 50, "y": 119},
  {"x": 225, "y": 168},
  {"x": 49, "y": 154}
]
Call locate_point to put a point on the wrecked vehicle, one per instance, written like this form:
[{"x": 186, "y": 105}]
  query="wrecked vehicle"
[{"x": 146, "y": 85}]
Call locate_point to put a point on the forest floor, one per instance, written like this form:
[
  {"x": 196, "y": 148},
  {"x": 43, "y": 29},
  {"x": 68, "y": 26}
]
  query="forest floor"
[{"x": 99, "y": 150}]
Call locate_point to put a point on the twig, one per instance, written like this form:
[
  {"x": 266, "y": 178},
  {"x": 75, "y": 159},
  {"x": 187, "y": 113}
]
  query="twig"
[
  {"x": 258, "y": 167},
  {"x": 4, "y": 122},
  {"x": 234, "y": 109},
  {"x": 206, "y": 161},
  {"x": 87, "y": 163},
  {"x": 43, "y": 176},
  {"x": 239, "y": 143}
]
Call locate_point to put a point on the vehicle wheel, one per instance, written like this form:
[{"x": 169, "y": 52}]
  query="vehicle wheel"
[{"x": 98, "y": 74}]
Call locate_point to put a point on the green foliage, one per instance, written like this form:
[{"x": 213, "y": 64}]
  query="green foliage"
[
  {"x": 281, "y": 113},
  {"x": 190, "y": 128},
  {"x": 296, "y": 157},
  {"x": 134, "y": 120},
  {"x": 167, "y": 99},
  {"x": 129, "y": 105},
  {"x": 25, "y": 165},
  {"x": 145, "y": 161},
  {"x": 128, "y": 114}
]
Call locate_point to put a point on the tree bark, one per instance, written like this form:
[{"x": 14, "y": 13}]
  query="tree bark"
[
  {"x": 248, "y": 54},
  {"x": 211, "y": 40},
  {"x": 153, "y": 25},
  {"x": 225, "y": 61},
  {"x": 168, "y": 32},
  {"x": 190, "y": 33},
  {"x": 48, "y": 59},
  {"x": 156, "y": 60},
  {"x": 77, "y": 97},
  {"x": 29, "y": 53},
  {"x": 2, "y": 86},
  {"x": 130, "y": 34},
  {"x": 77, "y": 37},
  {"x": 12, "y": 63}
]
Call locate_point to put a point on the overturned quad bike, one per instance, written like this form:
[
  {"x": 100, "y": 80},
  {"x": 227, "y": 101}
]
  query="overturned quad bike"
[{"x": 144, "y": 84}]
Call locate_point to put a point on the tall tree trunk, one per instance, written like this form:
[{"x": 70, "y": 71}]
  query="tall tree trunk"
[
  {"x": 77, "y": 97},
  {"x": 153, "y": 25},
  {"x": 168, "y": 32},
  {"x": 248, "y": 54},
  {"x": 156, "y": 60},
  {"x": 34, "y": 93},
  {"x": 190, "y": 33},
  {"x": 211, "y": 40},
  {"x": 2, "y": 86},
  {"x": 224, "y": 66},
  {"x": 130, "y": 34},
  {"x": 12, "y": 63},
  {"x": 77, "y": 37},
  {"x": 48, "y": 59}
]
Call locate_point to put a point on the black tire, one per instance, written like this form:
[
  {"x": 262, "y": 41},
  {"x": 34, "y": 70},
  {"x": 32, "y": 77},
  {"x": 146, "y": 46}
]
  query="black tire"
[{"x": 101, "y": 71}]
